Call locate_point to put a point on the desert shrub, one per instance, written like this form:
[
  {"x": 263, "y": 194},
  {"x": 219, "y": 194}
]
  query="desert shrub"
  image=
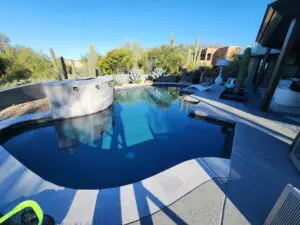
[
  {"x": 135, "y": 75},
  {"x": 196, "y": 76},
  {"x": 164, "y": 57},
  {"x": 116, "y": 83},
  {"x": 122, "y": 78},
  {"x": 38, "y": 65},
  {"x": 117, "y": 60},
  {"x": 19, "y": 65},
  {"x": 135, "y": 48},
  {"x": 157, "y": 73},
  {"x": 3, "y": 65}
]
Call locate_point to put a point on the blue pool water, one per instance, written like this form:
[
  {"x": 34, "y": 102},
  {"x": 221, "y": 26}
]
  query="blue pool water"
[{"x": 145, "y": 132}]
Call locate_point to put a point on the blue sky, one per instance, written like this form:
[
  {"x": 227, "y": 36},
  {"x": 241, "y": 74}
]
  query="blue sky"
[{"x": 70, "y": 26}]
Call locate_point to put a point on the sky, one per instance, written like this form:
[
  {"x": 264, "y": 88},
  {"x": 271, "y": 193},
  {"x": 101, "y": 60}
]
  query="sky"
[{"x": 70, "y": 26}]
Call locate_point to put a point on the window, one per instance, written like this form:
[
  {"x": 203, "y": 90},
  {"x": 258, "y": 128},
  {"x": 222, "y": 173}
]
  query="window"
[
  {"x": 203, "y": 54},
  {"x": 208, "y": 58}
]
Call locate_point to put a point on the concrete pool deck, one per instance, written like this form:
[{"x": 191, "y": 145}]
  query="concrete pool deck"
[
  {"x": 124, "y": 204},
  {"x": 260, "y": 165},
  {"x": 200, "y": 191}
]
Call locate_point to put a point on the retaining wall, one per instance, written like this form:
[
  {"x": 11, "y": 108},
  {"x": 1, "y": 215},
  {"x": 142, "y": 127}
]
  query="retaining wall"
[{"x": 21, "y": 94}]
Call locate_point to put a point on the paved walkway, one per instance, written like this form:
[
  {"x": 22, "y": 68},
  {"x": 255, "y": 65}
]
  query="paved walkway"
[
  {"x": 203, "y": 205},
  {"x": 260, "y": 165}
]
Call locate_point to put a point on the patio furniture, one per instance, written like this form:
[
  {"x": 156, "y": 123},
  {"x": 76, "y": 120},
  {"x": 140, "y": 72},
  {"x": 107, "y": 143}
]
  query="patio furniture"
[
  {"x": 286, "y": 209},
  {"x": 191, "y": 99},
  {"x": 230, "y": 84},
  {"x": 197, "y": 87},
  {"x": 285, "y": 96},
  {"x": 229, "y": 94}
]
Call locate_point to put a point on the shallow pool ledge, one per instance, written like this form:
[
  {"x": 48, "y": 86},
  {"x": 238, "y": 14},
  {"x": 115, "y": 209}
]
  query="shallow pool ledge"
[
  {"x": 108, "y": 206},
  {"x": 24, "y": 118}
]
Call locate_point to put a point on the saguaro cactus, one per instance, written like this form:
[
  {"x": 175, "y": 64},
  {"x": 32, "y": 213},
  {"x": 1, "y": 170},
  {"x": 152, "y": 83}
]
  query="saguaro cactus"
[
  {"x": 92, "y": 60},
  {"x": 55, "y": 65},
  {"x": 188, "y": 58},
  {"x": 172, "y": 40},
  {"x": 74, "y": 73},
  {"x": 243, "y": 70},
  {"x": 64, "y": 68},
  {"x": 196, "y": 51}
]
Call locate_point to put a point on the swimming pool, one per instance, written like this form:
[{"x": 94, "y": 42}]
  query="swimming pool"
[{"x": 146, "y": 131}]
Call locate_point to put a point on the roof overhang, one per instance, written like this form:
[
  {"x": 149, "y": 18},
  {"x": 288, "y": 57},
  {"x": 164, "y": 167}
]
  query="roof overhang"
[{"x": 276, "y": 22}]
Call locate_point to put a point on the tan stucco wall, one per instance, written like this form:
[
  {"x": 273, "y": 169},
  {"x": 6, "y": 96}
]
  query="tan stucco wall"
[
  {"x": 228, "y": 53},
  {"x": 206, "y": 61},
  {"x": 77, "y": 63}
]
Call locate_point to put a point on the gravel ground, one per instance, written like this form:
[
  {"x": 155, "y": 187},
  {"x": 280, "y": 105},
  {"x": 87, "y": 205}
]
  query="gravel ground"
[{"x": 25, "y": 108}]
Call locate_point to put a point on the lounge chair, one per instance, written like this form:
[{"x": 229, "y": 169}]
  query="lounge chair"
[
  {"x": 230, "y": 83},
  {"x": 195, "y": 88},
  {"x": 191, "y": 99}
]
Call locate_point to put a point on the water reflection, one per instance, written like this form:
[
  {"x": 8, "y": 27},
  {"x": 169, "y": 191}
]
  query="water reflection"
[
  {"x": 84, "y": 130},
  {"x": 144, "y": 133},
  {"x": 157, "y": 97}
]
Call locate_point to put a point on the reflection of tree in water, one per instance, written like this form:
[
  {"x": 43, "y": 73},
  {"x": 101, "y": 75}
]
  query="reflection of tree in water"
[
  {"x": 83, "y": 130},
  {"x": 131, "y": 96},
  {"x": 159, "y": 97}
]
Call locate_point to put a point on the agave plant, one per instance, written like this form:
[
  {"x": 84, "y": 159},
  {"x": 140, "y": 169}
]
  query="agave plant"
[
  {"x": 157, "y": 73},
  {"x": 135, "y": 75},
  {"x": 122, "y": 78}
]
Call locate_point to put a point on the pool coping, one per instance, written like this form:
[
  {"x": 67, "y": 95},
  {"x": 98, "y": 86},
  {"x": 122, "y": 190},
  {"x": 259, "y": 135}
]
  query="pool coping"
[
  {"x": 148, "y": 84},
  {"x": 184, "y": 180},
  {"x": 184, "y": 177}
]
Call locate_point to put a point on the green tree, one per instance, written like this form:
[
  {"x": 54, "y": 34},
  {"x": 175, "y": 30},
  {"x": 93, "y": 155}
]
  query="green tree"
[
  {"x": 37, "y": 63},
  {"x": 117, "y": 61},
  {"x": 4, "y": 41},
  {"x": 135, "y": 48},
  {"x": 20, "y": 64},
  {"x": 166, "y": 57}
]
